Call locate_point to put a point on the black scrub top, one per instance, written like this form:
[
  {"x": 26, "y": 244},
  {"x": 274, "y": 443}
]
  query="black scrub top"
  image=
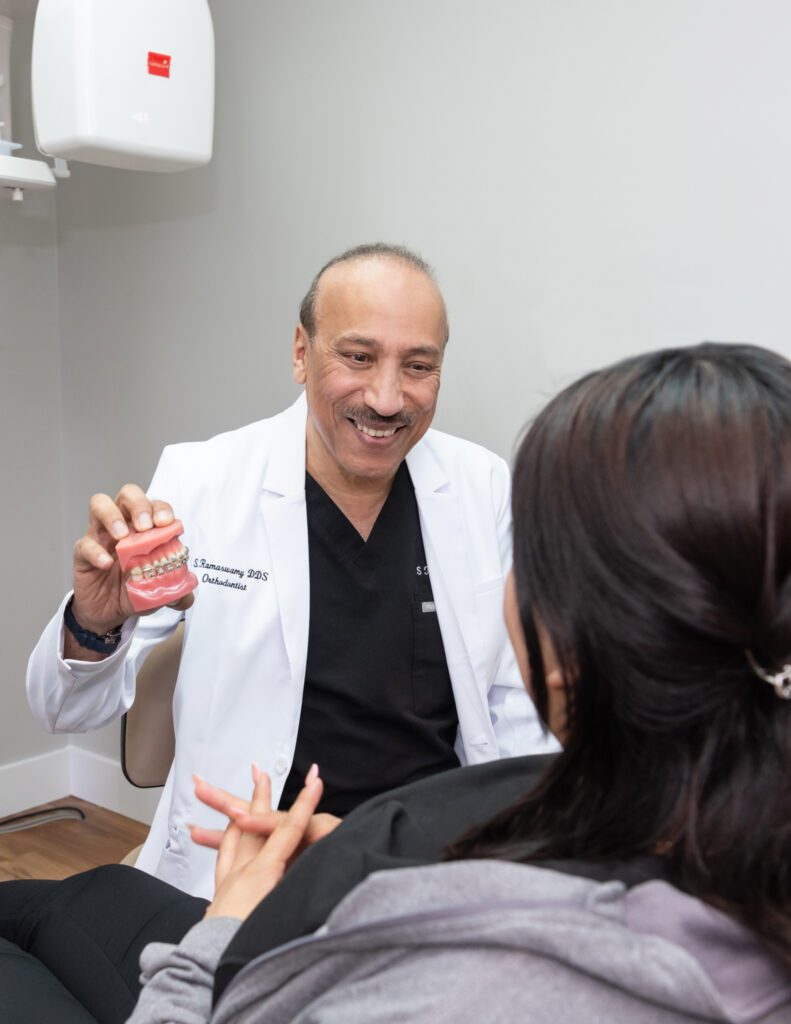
[{"x": 378, "y": 708}]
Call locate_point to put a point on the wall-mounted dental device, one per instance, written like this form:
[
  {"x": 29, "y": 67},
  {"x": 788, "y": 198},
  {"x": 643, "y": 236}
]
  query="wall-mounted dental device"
[
  {"x": 120, "y": 83},
  {"x": 125, "y": 83},
  {"x": 16, "y": 173}
]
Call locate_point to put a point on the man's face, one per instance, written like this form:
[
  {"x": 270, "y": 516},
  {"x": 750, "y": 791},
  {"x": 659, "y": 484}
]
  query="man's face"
[{"x": 372, "y": 369}]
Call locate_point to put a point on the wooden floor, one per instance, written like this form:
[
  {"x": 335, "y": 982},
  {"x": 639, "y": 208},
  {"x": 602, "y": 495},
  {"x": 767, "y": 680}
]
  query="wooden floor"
[{"x": 62, "y": 848}]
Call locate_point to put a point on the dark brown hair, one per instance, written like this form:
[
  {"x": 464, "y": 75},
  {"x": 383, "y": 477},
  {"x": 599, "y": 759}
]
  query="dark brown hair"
[{"x": 652, "y": 542}]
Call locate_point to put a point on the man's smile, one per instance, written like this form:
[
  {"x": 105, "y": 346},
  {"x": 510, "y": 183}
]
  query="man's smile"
[{"x": 381, "y": 431}]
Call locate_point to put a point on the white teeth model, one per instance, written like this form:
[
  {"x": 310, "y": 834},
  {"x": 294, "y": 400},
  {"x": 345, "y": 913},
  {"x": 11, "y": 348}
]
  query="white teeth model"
[
  {"x": 375, "y": 433},
  {"x": 159, "y": 566}
]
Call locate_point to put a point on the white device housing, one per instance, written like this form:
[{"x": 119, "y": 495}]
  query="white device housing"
[
  {"x": 125, "y": 83},
  {"x": 16, "y": 173},
  {"x": 6, "y": 31}
]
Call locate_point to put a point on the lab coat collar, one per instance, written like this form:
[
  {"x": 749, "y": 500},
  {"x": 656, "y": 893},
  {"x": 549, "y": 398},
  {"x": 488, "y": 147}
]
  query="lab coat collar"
[
  {"x": 285, "y": 471},
  {"x": 283, "y": 509},
  {"x": 428, "y": 476}
]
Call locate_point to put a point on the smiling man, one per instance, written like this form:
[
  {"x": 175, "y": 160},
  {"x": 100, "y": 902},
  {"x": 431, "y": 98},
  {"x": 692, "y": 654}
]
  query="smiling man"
[{"x": 351, "y": 565}]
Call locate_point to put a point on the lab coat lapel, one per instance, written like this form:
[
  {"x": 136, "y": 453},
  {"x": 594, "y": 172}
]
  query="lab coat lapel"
[
  {"x": 285, "y": 516},
  {"x": 445, "y": 541}
]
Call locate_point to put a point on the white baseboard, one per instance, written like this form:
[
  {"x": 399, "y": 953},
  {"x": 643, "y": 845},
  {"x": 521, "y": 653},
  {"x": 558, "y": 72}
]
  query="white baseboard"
[
  {"x": 33, "y": 781},
  {"x": 72, "y": 771},
  {"x": 100, "y": 780}
]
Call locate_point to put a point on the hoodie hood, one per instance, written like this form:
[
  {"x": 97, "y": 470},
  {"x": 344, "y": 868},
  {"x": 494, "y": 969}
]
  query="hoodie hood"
[{"x": 652, "y": 942}]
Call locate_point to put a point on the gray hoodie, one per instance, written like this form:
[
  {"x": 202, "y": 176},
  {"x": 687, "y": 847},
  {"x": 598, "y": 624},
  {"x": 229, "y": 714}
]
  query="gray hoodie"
[{"x": 484, "y": 942}]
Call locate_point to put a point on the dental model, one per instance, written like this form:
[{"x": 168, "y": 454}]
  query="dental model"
[{"x": 156, "y": 563}]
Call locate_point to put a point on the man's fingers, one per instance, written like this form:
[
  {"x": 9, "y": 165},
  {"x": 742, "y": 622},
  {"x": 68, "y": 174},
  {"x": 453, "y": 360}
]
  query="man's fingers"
[
  {"x": 131, "y": 505},
  {"x": 89, "y": 554},
  {"x": 161, "y": 513},
  {"x": 104, "y": 516},
  {"x": 135, "y": 505}
]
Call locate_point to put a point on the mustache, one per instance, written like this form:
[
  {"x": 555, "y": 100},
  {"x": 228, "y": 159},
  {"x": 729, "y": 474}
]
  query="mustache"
[{"x": 363, "y": 414}]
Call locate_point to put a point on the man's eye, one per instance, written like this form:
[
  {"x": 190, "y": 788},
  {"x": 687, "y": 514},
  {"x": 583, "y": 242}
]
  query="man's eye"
[
  {"x": 358, "y": 357},
  {"x": 421, "y": 367}
]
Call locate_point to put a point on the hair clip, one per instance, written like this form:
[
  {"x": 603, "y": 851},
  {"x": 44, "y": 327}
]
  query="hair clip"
[{"x": 781, "y": 681}]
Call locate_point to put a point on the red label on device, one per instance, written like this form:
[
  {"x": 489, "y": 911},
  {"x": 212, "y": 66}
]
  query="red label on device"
[{"x": 159, "y": 64}]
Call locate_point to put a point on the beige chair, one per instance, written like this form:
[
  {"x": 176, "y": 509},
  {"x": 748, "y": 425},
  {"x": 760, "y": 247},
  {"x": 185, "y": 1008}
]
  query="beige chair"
[{"x": 148, "y": 741}]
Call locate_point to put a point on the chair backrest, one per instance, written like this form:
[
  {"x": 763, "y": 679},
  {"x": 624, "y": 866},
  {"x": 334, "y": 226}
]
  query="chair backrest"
[{"x": 148, "y": 741}]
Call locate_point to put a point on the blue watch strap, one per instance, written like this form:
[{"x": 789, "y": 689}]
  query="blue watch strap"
[{"x": 102, "y": 643}]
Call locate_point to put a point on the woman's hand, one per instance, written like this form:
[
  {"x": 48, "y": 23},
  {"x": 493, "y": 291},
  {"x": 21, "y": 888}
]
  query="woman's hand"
[
  {"x": 238, "y": 811},
  {"x": 250, "y": 866}
]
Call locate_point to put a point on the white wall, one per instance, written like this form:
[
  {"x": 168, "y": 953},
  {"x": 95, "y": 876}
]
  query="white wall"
[
  {"x": 590, "y": 180},
  {"x": 31, "y": 506}
]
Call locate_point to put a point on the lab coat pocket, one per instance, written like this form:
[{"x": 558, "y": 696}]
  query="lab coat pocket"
[
  {"x": 173, "y": 862},
  {"x": 176, "y": 841},
  {"x": 431, "y": 686}
]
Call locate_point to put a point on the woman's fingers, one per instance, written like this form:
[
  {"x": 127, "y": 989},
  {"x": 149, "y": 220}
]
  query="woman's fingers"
[
  {"x": 262, "y": 793},
  {"x": 264, "y": 824},
  {"x": 289, "y": 834},
  {"x": 218, "y": 799},
  {"x": 210, "y": 837},
  {"x": 262, "y": 820},
  {"x": 226, "y": 855},
  {"x": 321, "y": 825},
  {"x": 261, "y": 803},
  {"x": 250, "y": 864},
  {"x": 257, "y": 824},
  {"x": 256, "y": 821}
]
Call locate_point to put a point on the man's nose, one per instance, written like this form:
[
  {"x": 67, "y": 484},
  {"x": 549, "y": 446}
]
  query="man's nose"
[{"x": 383, "y": 392}]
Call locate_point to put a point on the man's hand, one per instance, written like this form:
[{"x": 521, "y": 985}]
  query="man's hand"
[
  {"x": 248, "y": 866},
  {"x": 261, "y": 824},
  {"x": 100, "y": 598}
]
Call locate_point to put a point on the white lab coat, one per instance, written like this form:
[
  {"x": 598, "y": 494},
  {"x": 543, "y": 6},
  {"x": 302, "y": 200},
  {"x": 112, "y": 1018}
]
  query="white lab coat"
[{"x": 241, "y": 497}]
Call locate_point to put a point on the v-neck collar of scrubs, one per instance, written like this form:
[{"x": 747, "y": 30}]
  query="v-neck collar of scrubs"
[{"x": 336, "y": 525}]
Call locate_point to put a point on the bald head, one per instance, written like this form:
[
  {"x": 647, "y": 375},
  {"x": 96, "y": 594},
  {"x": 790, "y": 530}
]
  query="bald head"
[{"x": 310, "y": 311}]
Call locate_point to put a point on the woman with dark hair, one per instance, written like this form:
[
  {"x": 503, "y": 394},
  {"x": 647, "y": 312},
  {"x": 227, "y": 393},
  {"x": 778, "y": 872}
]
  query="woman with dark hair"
[
  {"x": 643, "y": 874},
  {"x": 652, "y": 561}
]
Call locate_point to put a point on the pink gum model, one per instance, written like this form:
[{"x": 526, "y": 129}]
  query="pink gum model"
[{"x": 156, "y": 563}]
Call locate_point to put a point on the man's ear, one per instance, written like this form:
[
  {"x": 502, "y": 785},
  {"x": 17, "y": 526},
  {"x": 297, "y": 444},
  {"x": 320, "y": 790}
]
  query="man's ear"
[{"x": 299, "y": 367}]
